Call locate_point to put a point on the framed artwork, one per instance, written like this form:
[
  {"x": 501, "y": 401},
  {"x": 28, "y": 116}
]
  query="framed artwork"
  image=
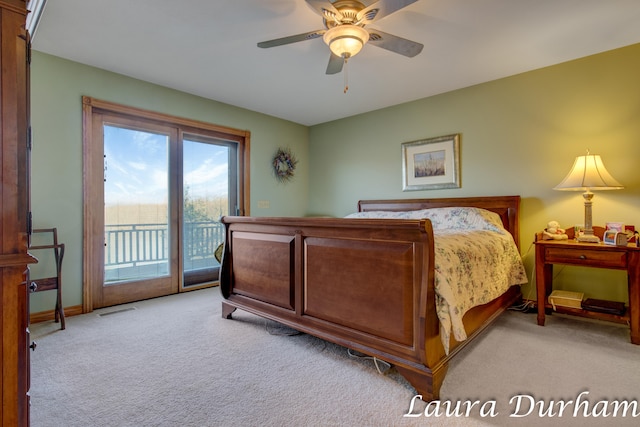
[{"x": 431, "y": 164}]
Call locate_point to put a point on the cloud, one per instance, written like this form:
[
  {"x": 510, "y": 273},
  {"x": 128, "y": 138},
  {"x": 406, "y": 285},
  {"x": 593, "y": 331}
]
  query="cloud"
[{"x": 137, "y": 165}]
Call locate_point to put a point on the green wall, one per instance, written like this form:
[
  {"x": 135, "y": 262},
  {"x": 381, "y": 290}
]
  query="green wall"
[
  {"x": 519, "y": 135},
  {"x": 57, "y": 86}
]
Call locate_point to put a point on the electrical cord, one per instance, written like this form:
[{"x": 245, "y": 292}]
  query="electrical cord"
[
  {"x": 528, "y": 303},
  {"x": 376, "y": 361},
  {"x": 280, "y": 330}
]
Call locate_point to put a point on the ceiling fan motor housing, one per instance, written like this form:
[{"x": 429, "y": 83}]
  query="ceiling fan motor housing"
[{"x": 348, "y": 10}]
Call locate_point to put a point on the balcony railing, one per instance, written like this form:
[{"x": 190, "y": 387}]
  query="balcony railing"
[{"x": 136, "y": 245}]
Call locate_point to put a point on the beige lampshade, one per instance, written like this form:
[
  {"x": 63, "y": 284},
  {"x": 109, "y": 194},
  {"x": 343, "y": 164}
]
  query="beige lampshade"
[
  {"x": 588, "y": 173},
  {"x": 346, "y": 40}
]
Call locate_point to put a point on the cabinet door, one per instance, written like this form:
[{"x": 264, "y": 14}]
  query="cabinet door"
[
  {"x": 15, "y": 226},
  {"x": 24, "y": 364},
  {"x": 24, "y": 214}
]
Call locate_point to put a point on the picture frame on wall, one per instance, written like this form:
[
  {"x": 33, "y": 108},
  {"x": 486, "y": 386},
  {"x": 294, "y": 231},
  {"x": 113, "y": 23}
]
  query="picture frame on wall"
[{"x": 431, "y": 164}]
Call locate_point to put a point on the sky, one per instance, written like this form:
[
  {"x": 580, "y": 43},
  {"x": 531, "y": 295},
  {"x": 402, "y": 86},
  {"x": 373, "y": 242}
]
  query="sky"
[{"x": 136, "y": 167}]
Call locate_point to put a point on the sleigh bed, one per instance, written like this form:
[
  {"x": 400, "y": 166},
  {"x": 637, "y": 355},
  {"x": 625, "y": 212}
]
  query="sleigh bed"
[{"x": 377, "y": 281}]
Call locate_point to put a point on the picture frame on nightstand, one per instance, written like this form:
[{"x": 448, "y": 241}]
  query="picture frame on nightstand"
[{"x": 615, "y": 238}]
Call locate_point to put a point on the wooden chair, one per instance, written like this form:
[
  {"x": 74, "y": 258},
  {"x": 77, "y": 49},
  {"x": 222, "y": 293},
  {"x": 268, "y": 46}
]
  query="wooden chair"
[{"x": 51, "y": 283}]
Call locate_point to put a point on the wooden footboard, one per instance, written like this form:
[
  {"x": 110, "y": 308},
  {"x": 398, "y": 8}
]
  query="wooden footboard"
[{"x": 367, "y": 285}]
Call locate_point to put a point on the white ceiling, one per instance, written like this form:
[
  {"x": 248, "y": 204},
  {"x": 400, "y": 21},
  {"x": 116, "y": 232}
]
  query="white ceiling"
[{"x": 208, "y": 47}]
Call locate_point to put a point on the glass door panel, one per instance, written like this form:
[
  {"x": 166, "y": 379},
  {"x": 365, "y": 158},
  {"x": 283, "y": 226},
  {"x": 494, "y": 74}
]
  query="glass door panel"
[
  {"x": 205, "y": 181},
  {"x": 136, "y": 203}
]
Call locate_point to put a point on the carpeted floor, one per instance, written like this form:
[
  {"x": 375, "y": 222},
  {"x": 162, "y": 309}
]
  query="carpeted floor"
[{"x": 174, "y": 361}]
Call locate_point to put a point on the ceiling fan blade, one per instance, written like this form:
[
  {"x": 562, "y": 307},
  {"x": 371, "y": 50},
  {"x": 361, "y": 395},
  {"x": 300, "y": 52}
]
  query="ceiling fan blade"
[
  {"x": 292, "y": 39},
  {"x": 325, "y": 9},
  {"x": 335, "y": 64},
  {"x": 380, "y": 9},
  {"x": 394, "y": 43}
]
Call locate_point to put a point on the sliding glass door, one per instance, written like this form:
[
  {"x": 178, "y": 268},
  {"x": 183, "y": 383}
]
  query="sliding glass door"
[{"x": 154, "y": 195}]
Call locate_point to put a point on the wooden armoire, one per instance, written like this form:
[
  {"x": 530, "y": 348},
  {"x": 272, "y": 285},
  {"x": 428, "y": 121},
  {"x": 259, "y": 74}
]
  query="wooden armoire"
[{"x": 14, "y": 207}]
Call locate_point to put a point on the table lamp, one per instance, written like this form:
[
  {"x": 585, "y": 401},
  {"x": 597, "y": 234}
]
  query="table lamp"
[{"x": 588, "y": 173}]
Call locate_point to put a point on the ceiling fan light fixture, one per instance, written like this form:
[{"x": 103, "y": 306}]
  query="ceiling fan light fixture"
[{"x": 346, "y": 40}]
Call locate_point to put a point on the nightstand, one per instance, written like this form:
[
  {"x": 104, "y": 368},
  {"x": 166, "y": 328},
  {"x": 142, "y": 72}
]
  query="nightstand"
[{"x": 597, "y": 255}]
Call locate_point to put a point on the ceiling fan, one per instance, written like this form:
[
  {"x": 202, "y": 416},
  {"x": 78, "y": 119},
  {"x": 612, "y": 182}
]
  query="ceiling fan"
[{"x": 345, "y": 32}]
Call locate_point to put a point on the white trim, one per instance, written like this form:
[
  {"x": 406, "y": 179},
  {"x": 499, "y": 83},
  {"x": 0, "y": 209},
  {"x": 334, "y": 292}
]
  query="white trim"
[{"x": 35, "y": 7}]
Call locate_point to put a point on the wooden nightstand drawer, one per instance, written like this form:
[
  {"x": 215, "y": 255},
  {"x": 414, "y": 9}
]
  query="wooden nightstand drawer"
[{"x": 590, "y": 257}]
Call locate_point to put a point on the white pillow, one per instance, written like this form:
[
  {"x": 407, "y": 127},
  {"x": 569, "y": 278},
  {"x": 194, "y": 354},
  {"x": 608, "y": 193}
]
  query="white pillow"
[{"x": 458, "y": 218}]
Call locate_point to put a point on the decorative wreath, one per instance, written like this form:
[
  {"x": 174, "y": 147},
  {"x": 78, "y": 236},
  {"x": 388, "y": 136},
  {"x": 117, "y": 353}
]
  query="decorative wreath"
[{"x": 284, "y": 164}]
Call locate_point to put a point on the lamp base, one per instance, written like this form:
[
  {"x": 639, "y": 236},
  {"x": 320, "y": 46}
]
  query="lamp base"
[{"x": 588, "y": 238}]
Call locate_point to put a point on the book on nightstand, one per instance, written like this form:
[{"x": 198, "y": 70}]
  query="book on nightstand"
[{"x": 603, "y": 306}]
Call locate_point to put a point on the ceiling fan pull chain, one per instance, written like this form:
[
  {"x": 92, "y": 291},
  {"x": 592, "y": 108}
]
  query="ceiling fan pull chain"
[{"x": 346, "y": 75}]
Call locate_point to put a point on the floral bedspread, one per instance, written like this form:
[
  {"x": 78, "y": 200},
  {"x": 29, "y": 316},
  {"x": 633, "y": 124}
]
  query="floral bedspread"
[{"x": 476, "y": 261}]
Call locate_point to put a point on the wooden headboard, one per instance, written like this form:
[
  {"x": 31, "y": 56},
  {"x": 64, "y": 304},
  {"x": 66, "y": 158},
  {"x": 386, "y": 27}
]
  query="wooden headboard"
[{"x": 508, "y": 207}]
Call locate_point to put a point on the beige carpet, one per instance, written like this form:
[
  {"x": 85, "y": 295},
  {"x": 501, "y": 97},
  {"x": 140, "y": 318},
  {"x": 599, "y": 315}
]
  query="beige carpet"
[{"x": 174, "y": 361}]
